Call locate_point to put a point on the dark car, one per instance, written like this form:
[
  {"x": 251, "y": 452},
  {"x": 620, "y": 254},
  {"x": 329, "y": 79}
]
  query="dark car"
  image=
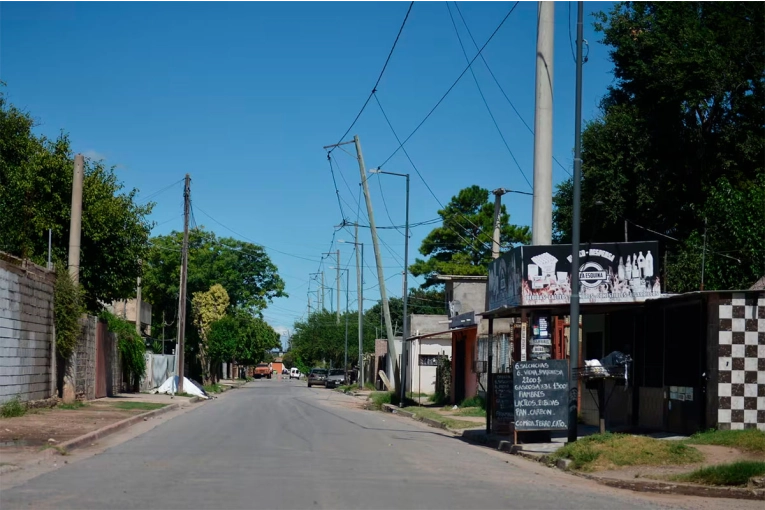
[
  {"x": 335, "y": 378},
  {"x": 317, "y": 376}
]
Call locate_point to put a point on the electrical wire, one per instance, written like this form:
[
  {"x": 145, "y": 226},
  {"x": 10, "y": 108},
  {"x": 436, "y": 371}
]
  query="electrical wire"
[
  {"x": 499, "y": 85},
  {"x": 379, "y": 78},
  {"x": 152, "y": 195},
  {"x": 483, "y": 98},
  {"x": 401, "y": 145}
]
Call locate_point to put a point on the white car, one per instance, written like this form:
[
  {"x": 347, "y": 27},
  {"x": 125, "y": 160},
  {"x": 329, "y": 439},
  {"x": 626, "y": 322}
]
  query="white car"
[{"x": 294, "y": 373}]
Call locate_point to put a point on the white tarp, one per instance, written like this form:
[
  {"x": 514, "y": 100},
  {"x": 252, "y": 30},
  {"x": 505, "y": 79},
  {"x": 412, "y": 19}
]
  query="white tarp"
[{"x": 190, "y": 387}]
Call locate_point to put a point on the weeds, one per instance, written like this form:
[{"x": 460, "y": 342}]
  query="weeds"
[
  {"x": 751, "y": 440},
  {"x": 474, "y": 402},
  {"x": 471, "y": 411},
  {"x": 447, "y": 421},
  {"x": 734, "y": 474},
  {"x": 13, "y": 408},
  {"x": 438, "y": 399},
  {"x": 60, "y": 449},
  {"x": 602, "y": 451},
  {"x": 213, "y": 388}
]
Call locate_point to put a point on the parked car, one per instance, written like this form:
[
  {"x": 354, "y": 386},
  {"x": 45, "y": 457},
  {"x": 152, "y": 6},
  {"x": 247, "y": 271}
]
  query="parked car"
[
  {"x": 317, "y": 376},
  {"x": 295, "y": 373},
  {"x": 262, "y": 370},
  {"x": 335, "y": 378}
]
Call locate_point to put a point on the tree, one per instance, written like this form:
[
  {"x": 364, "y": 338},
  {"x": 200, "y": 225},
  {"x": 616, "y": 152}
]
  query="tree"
[
  {"x": 421, "y": 301},
  {"x": 36, "y": 195},
  {"x": 241, "y": 338},
  {"x": 208, "y": 307},
  {"x": 462, "y": 245},
  {"x": 679, "y": 145},
  {"x": 321, "y": 339},
  {"x": 243, "y": 269}
]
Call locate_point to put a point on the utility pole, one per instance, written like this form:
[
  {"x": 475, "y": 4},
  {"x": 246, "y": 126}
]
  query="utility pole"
[
  {"x": 497, "y": 221},
  {"x": 184, "y": 275},
  {"x": 323, "y": 297},
  {"x": 378, "y": 260},
  {"x": 360, "y": 283},
  {"x": 541, "y": 223},
  {"x": 138, "y": 302},
  {"x": 338, "y": 286},
  {"x": 50, "y": 246},
  {"x": 573, "y": 388},
  {"x": 625, "y": 231},
  {"x": 75, "y": 222}
]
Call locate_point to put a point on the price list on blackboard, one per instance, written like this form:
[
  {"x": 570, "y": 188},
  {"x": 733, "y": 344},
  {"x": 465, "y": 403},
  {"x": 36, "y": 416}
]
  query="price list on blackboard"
[{"x": 540, "y": 394}]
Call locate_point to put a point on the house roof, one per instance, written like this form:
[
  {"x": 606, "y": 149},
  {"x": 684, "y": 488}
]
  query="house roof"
[
  {"x": 453, "y": 277},
  {"x": 760, "y": 285}
]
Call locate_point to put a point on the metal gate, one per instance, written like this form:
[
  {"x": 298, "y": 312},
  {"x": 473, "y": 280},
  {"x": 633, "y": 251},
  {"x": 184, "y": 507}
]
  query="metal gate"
[{"x": 102, "y": 359}]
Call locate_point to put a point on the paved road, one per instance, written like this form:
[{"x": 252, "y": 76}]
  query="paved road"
[{"x": 279, "y": 445}]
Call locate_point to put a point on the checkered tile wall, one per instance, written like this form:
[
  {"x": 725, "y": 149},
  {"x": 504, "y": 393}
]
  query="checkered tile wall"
[{"x": 741, "y": 384}]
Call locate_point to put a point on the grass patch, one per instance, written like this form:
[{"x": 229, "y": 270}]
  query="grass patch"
[
  {"x": 345, "y": 388},
  {"x": 77, "y": 404},
  {"x": 369, "y": 386},
  {"x": 750, "y": 440},
  {"x": 471, "y": 411},
  {"x": 414, "y": 394},
  {"x": 474, "y": 402},
  {"x": 734, "y": 474},
  {"x": 604, "y": 451},
  {"x": 213, "y": 388},
  {"x": 452, "y": 423},
  {"x": 438, "y": 398},
  {"x": 61, "y": 450},
  {"x": 13, "y": 408},
  {"x": 142, "y": 406}
]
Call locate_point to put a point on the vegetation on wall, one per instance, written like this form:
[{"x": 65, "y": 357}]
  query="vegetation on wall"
[
  {"x": 130, "y": 345},
  {"x": 67, "y": 310}
]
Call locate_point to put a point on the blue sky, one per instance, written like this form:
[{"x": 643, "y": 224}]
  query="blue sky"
[{"x": 244, "y": 95}]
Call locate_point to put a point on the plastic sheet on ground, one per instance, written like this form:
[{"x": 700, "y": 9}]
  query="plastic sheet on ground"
[{"x": 190, "y": 387}]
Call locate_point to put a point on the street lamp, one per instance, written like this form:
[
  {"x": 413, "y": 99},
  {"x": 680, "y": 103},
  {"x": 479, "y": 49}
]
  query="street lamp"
[
  {"x": 360, "y": 280},
  {"x": 347, "y": 284},
  {"x": 405, "y": 297}
]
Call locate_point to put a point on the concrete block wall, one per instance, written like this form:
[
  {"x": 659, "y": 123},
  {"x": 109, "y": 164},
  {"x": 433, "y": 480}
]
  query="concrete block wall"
[
  {"x": 26, "y": 330},
  {"x": 84, "y": 359}
]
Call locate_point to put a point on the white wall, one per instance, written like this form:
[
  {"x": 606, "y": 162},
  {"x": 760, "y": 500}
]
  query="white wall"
[{"x": 423, "y": 379}]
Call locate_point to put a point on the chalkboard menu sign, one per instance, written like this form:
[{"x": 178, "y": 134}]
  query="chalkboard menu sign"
[
  {"x": 540, "y": 395},
  {"x": 502, "y": 402}
]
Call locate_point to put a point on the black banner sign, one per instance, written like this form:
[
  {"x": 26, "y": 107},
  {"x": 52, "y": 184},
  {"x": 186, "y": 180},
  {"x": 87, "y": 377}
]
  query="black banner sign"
[{"x": 540, "y": 395}]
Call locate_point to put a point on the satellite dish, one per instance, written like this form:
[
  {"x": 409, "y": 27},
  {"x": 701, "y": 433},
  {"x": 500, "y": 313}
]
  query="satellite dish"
[{"x": 455, "y": 307}]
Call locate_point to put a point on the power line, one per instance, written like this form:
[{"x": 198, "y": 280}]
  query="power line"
[
  {"x": 451, "y": 87},
  {"x": 496, "y": 81},
  {"x": 483, "y": 98},
  {"x": 145, "y": 199},
  {"x": 406, "y": 153},
  {"x": 255, "y": 242},
  {"x": 385, "y": 66}
]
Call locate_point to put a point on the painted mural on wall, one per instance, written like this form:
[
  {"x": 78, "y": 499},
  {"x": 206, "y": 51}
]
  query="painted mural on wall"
[{"x": 608, "y": 273}]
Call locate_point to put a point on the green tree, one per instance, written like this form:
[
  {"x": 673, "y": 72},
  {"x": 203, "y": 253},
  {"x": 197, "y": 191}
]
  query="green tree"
[
  {"x": 243, "y": 269},
  {"x": 241, "y": 338},
  {"x": 36, "y": 195},
  {"x": 679, "y": 144},
  {"x": 421, "y": 301},
  {"x": 320, "y": 338},
  {"x": 462, "y": 244},
  {"x": 208, "y": 307}
]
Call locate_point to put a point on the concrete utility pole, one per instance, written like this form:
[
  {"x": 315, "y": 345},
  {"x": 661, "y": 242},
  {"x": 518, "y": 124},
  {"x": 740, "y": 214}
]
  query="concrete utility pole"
[
  {"x": 573, "y": 388},
  {"x": 75, "y": 222},
  {"x": 138, "y": 303},
  {"x": 184, "y": 275},
  {"x": 541, "y": 224},
  {"x": 378, "y": 260},
  {"x": 360, "y": 284},
  {"x": 497, "y": 221},
  {"x": 338, "y": 286}
]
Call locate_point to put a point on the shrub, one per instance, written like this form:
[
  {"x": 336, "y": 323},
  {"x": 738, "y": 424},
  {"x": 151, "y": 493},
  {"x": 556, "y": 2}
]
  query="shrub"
[
  {"x": 13, "y": 408},
  {"x": 67, "y": 309},
  {"x": 736, "y": 473},
  {"x": 474, "y": 402},
  {"x": 130, "y": 345}
]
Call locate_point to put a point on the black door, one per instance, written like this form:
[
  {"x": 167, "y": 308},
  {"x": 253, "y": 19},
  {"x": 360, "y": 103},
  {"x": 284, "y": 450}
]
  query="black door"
[{"x": 459, "y": 371}]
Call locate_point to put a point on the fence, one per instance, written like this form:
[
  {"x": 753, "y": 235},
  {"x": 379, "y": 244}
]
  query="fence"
[
  {"x": 502, "y": 357},
  {"x": 27, "y": 345},
  {"x": 159, "y": 367}
]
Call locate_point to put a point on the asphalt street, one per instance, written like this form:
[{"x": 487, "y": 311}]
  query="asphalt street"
[{"x": 275, "y": 444}]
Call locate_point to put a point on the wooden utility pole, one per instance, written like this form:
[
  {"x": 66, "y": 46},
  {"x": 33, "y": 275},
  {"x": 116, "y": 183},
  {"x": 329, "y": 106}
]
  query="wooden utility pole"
[
  {"x": 184, "y": 275},
  {"x": 360, "y": 285},
  {"x": 378, "y": 259}
]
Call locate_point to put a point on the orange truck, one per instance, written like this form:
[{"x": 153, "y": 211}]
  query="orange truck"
[{"x": 262, "y": 370}]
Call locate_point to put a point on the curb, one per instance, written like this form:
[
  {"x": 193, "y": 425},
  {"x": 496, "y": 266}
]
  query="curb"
[
  {"x": 429, "y": 421},
  {"x": 682, "y": 489},
  {"x": 636, "y": 486},
  {"x": 90, "y": 437}
]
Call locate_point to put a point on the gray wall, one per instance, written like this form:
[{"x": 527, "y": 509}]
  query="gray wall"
[{"x": 26, "y": 330}]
